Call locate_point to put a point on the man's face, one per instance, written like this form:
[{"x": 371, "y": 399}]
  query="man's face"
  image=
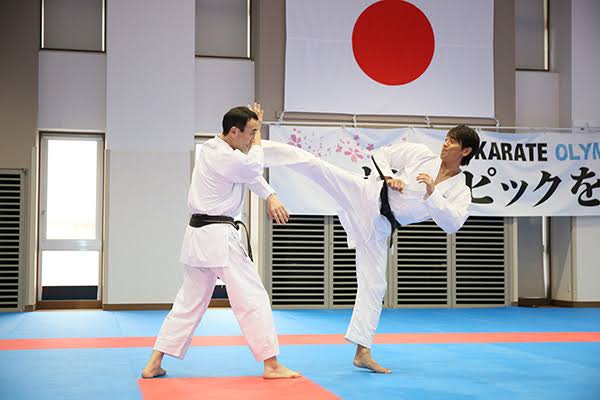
[
  {"x": 242, "y": 140},
  {"x": 452, "y": 151}
]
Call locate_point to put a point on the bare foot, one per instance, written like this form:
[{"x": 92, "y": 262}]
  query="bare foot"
[
  {"x": 363, "y": 359},
  {"x": 153, "y": 368},
  {"x": 275, "y": 370},
  {"x": 149, "y": 373}
]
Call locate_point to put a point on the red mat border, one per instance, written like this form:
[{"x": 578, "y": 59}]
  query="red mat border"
[
  {"x": 218, "y": 387},
  {"x": 384, "y": 338}
]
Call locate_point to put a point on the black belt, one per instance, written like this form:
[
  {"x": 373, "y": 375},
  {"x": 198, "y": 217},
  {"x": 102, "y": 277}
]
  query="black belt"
[
  {"x": 384, "y": 208},
  {"x": 200, "y": 220}
]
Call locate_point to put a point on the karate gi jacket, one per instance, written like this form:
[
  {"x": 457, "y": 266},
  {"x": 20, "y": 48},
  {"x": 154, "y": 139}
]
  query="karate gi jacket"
[
  {"x": 448, "y": 205},
  {"x": 219, "y": 182}
]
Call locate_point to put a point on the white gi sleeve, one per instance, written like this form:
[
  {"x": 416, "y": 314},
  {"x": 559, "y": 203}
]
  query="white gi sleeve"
[
  {"x": 398, "y": 156},
  {"x": 239, "y": 167},
  {"x": 449, "y": 215},
  {"x": 261, "y": 188}
]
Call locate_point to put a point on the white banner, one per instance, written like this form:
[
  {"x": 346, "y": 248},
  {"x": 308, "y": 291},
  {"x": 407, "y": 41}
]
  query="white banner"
[
  {"x": 538, "y": 174},
  {"x": 423, "y": 57}
]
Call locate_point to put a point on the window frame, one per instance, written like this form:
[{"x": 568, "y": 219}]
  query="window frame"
[
  {"x": 546, "y": 67},
  {"x": 43, "y": 47},
  {"x": 44, "y": 244},
  {"x": 249, "y": 47}
]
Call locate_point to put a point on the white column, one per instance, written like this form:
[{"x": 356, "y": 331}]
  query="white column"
[
  {"x": 149, "y": 132},
  {"x": 585, "y": 102}
]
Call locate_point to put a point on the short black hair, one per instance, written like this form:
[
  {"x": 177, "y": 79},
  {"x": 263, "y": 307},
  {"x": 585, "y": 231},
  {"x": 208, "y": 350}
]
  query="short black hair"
[
  {"x": 467, "y": 137},
  {"x": 238, "y": 117}
]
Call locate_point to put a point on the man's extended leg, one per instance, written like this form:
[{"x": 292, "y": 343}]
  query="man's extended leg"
[
  {"x": 344, "y": 187},
  {"x": 360, "y": 205},
  {"x": 251, "y": 306},
  {"x": 371, "y": 262},
  {"x": 176, "y": 333}
]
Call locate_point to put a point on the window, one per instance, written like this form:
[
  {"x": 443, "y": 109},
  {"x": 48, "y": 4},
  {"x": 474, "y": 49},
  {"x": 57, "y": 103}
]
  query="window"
[
  {"x": 73, "y": 25},
  {"x": 531, "y": 35},
  {"x": 70, "y": 247},
  {"x": 223, "y": 28}
]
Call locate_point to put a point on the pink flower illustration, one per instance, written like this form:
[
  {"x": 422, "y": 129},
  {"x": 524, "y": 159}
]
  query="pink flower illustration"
[
  {"x": 356, "y": 137},
  {"x": 370, "y": 147},
  {"x": 295, "y": 140},
  {"x": 355, "y": 154},
  {"x": 338, "y": 149}
]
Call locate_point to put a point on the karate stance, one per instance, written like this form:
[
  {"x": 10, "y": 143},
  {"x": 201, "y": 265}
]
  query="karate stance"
[
  {"x": 425, "y": 186},
  {"x": 211, "y": 246}
]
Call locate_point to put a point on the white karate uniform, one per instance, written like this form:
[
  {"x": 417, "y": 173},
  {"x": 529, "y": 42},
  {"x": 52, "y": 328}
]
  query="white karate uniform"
[
  {"x": 218, "y": 185},
  {"x": 358, "y": 209}
]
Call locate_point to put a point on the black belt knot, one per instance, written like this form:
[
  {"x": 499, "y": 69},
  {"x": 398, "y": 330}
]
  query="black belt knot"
[
  {"x": 385, "y": 209},
  {"x": 200, "y": 220}
]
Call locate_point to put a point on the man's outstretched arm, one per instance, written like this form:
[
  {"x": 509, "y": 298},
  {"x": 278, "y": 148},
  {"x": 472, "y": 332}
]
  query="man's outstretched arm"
[{"x": 450, "y": 215}]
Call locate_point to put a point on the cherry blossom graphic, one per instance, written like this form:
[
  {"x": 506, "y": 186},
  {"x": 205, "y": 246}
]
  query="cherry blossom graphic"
[
  {"x": 354, "y": 154},
  {"x": 295, "y": 140},
  {"x": 322, "y": 146}
]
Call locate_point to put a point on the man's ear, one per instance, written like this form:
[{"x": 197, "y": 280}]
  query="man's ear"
[{"x": 466, "y": 151}]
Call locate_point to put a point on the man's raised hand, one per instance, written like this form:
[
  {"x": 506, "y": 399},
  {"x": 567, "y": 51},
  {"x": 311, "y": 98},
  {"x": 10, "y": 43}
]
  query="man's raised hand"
[{"x": 259, "y": 111}]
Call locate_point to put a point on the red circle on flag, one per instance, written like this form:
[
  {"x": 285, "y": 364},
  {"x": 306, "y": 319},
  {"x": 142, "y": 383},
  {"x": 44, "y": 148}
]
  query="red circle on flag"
[{"x": 393, "y": 42}]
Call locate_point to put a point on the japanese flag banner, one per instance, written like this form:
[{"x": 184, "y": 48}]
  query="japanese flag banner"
[
  {"x": 534, "y": 174},
  {"x": 390, "y": 57}
]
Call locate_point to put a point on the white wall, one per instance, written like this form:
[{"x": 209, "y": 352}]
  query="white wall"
[
  {"x": 143, "y": 179},
  {"x": 147, "y": 216},
  {"x": 536, "y": 102},
  {"x": 568, "y": 96},
  {"x": 585, "y": 89},
  {"x": 72, "y": 90},
  {"x": 149, "y": 131},
  {"x": 587, "y": 276},
  {"x": 575, "y": 56},
  {"x": 585, "y": 64},
  {"x": 150, "y": 74},
  {"x": 221, "y": 84}
]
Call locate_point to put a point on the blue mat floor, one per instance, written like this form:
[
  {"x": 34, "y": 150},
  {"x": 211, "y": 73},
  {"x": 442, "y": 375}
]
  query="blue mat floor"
[{"x": 440, "y": 371}]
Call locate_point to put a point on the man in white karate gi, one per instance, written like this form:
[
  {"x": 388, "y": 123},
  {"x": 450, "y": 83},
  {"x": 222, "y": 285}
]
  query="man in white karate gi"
[
  {"x": 424, "y": 186},
  {"x": 225, "y": 165}
]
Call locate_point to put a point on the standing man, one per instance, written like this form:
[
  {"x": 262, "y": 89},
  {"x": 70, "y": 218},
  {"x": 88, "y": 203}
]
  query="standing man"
[
  {"x": 425, "y": 186},
  {"x": 225, "y": 165}
]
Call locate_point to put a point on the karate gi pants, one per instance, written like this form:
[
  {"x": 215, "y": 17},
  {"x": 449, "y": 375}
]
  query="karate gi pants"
[
  {"x": 248, "y": 298},
  {"x": 371, "y": 250}
]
